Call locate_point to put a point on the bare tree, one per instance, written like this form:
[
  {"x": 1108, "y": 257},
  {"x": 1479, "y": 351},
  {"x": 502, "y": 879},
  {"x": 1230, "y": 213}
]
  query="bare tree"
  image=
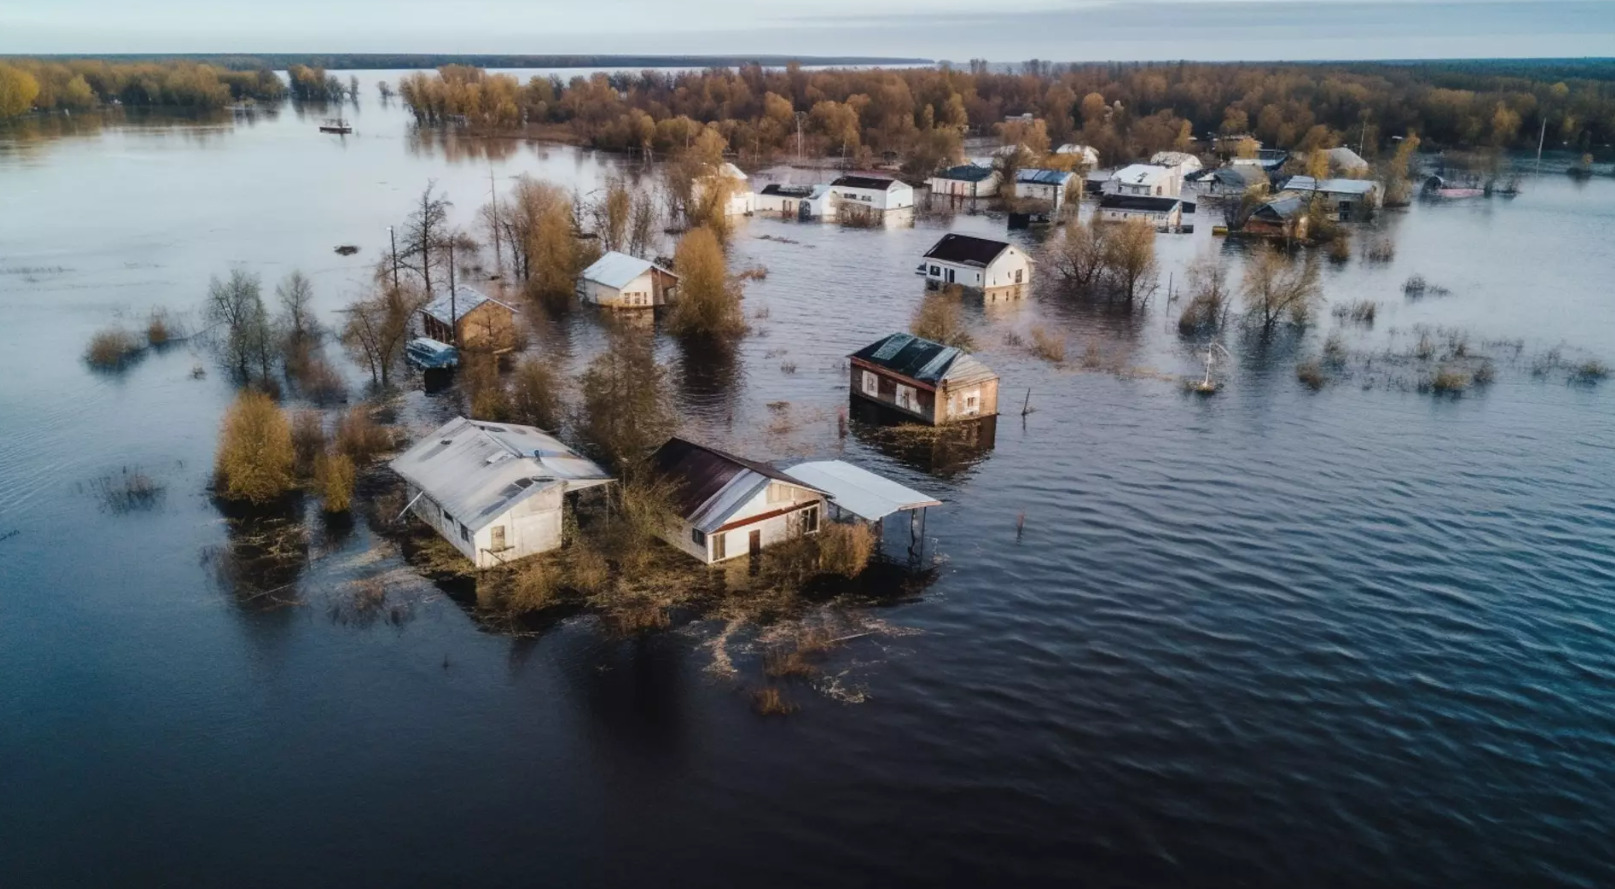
[
  {"x": 1209, "y": 296},
  {"x": 1278, "y": 287},
  {"x": 235, "y": 308},
  {"x": 378, "y": 327},
  {"x": 1130, "y": 257},
  {"x": 642, "y": 225},
  {"x": 626, "y": 407},
  {"x": 424, "y": 231},
  {"x": 296, "y": 295},
  {"x": 1080, "y": 258}
]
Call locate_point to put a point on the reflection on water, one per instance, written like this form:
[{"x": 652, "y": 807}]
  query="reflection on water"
[{"x": 1334, "y": 638}]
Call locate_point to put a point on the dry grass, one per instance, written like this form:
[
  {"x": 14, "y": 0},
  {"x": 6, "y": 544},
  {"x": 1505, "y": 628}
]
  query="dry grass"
[
  {"x": 1485, "y": 374},
  {"x": 755, "y": 273},
  {"x": 1449, "y": 381},
  {"x": 787, "y": 367},
  {"x": 1048, "y": 346},
  {"x": 770, "y": 701},
  {"x": 318, "y": 380},
  {"x": 845, "y": 549},
  {"x": 1334, "y": 351},
  {"x": 1340, "y": 248},
  {"x": 111, "y": 349},
  {"x": 1362, "y": 311},
  {"x": 158, "y": 329},
  {"x": 1590, "y": 371},
  {"x": 587, "y": 569},
  {"x": 1311, "y": 374},
  {"x": 537, "y": 585},
  {"x": 1379, "y": 250}
]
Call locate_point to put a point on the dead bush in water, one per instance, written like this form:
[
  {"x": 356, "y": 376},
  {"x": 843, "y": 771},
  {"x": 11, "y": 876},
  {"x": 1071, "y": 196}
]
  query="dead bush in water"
[
  {"x": 336, "y": 475},
  {"x": 255, "y": 457},
  {"x": 1340, "y": 247},
  {"x": 1379, "y": 250},
  {"x": 770, "y": 701},
  {"x": 360, "y": 437},
  {"x": 1334, "y": 351},
  {"x": 845, "y": 549},
  {"x": 536, "y": 394},
  {"x": 1311, "y": 374},
  {"x": 798, "y": 655},
  {"x": 940, "y": 319},
  {"x": 1590, "y": 371},
  {"x": 308, "y": 441},
  {"x": 158, "y": 328},
  {"x": 1362, "y": 311},
  {"x": 1447, "y": 381},
  {"x": 128, "y": 490},
  {"x": 1048, "y": 346},
  {"x": 111, "y": 349}
]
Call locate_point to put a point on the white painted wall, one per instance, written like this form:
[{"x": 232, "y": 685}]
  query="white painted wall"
[
  {"x": 1001, "y": 273},
  {"x": 533, "y": 526},
  {"x": 737, "y": 541}
]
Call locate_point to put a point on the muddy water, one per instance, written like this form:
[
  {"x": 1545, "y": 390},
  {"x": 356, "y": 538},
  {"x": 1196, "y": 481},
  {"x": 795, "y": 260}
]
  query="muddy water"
[{"x": 1275, "y": 637}]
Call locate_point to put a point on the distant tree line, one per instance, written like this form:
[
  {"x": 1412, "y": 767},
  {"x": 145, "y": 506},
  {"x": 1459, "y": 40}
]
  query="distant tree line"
[
  {"x": 82, "y": 84},
  {"x": 1121, "y": 110}
]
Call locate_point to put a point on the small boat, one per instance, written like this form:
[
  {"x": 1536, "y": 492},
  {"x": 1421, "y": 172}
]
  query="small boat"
[
  {"x": 429, "y": 354},
  {"x": 336, "y": 125}
]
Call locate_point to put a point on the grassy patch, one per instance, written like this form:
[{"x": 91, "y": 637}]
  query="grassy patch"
[{"x": 112, "y": 349}]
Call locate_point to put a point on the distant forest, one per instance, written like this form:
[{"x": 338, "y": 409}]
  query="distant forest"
[
  {"x": 390, "y": 61},
  {"x": 1123, "y": 111}
]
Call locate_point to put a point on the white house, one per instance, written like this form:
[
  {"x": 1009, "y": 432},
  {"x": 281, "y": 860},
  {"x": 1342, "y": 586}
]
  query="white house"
[
  {"x": 728, "y": 506},
  {"x": 1049, "y": 186},
  {"x": 494, "y": 490},
  {"x": 619, "y": 281},
  {"x": 796, "y": 201},
  {"x": 966, "y": 181},
  {"x": 871, "y": 196},
  {"x": 739, "y": 202},
  {"x": 1085, "y": 155},
  {"x": 1180, "y": 163},
  {"x": 1349, "y": 199},
  {"x": 980, "y": 263},
  {"x": 1165, "y": 213},
  {"x": 1143, "y": 179}
]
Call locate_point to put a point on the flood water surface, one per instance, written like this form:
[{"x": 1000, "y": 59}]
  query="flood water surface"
[{"x": 1275, "y": 637}]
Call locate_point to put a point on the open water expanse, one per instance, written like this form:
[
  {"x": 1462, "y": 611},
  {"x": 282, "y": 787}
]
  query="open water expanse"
[{"x": 1271, "y": 638}]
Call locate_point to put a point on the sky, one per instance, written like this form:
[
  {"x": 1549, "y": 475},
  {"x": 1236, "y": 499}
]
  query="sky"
[{"x": 997, "y": 30}]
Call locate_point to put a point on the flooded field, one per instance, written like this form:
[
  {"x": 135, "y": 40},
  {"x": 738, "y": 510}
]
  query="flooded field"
[{"x": 1275, "y": 637}]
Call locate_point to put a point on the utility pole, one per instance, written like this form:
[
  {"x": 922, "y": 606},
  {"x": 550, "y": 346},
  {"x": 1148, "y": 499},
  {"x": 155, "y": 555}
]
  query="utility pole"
[
  {"x": 454, "y": 317},
  {"x": 493, "y": 198},
  {"x": 800, "y": 116},
  {"x": 393, "y": 237},
  {"x": 1539, "y": 139}
]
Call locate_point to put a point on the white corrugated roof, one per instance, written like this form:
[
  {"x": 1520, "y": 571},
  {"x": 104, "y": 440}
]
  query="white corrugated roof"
[
  {"x": 465, "y": 299},
  {"x": 1174, "y": 158},
  {"x": 860, "y": 491},
  {"x": 477, "y": 471},
  {"x": 617, "y": 270},
  {"x": 1332, "y": 186},
  {"x": 1141, "y": 174}
]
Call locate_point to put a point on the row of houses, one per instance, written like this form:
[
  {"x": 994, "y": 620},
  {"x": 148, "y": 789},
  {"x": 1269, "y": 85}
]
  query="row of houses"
[{"x": 498, "y": 492}]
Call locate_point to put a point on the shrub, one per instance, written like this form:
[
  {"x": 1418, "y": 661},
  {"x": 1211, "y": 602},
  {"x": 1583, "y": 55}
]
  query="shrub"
[
  {"x": 1311, "y": 374},
  {"x": 360, "y": 437},
  {"x": 1415, "y": 286},
  {"x": 845, "y": 549},
  {"x": 1449, "y": 381},
  {"x": 587, "y": 569},
  {"x": 336, "y": 475},
  {"x": 1590, "y": 371},
  {"x": 1379, "y": 250},
  {"x": 1048, "y": 346},
  {"x": 940, "y": 318},
  {"x": 318, "y": 380},
  {"x": 1340, "y": 247},
  {"x": 1362, "y": 311},
  {"x": 308, "y": 441},
  {"x": 535, "y": 394},
  {"x": 537, "y": 583},
  {"x": 1485, "y": 374},
  {"x": 256, "y": 457},
  {"x": 769, "y": 701},
  {"x": 111, "y": 349},
  {"x": 129, "y": 491},
  {"x": 157, "y": 329},
  {"x": 1334, "y": 351}
]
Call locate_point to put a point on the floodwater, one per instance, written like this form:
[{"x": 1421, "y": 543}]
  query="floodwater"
[{"x": 1274, "y": 637}]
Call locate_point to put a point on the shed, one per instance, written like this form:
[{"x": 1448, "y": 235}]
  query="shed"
[
  {"x": 1085, "y": 154},
  {"x": 470, "y": 319},
  {"x": 617, "y": 280},
  {"x": 1349, "y": 199},
  {"x": 993, "y": 267},
  {"x": 1043, "y": 185},
  {"x": 1282, "y": 216},
  {"x": 736, "y": 184},
  {"x": 1231, "y": 182},
  {"x": 923, "y": 379},
  {"x": 1164, "y": 213},
  {"x": 966, "y": 181},
  {"x": 495, "y": 491},
  {"x": 871, "y": 196},
  {"x": 856, "y": 494},
  {"x": 729, "y": 506}
]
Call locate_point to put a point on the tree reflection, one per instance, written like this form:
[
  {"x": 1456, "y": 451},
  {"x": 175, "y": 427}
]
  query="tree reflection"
[{"x": 264, "y": 555}]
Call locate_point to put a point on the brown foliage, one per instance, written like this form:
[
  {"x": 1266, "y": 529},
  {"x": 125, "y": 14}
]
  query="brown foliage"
[
  {"x": 255, "y": 457},
  {"x": 360, "y": 437},
  {"x": 708, "y": 306},
  {"x": 845, "y": 549},
  {"x": 940, "y": 318},
  {"x": 110, "y": 349},
  {"x": 336, "y": 475}
]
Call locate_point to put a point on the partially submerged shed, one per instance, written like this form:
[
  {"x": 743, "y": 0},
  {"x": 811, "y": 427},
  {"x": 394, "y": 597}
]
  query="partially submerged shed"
[
  {"x": 728, "y": 506},
  {"x": 923, "y": 379},
  {"x": 495, "y": 491},
  {"x": 620, "y": 281},
  {"x": 856, "y": 494},
  {"x": 471, "y": 320}
]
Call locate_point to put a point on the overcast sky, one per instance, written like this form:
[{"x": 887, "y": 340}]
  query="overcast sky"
[{"x": 1000, "y": 30}]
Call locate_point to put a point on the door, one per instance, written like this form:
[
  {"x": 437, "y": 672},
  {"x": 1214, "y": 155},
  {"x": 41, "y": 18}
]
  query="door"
[
  {"x": 498, "y": 542},
  {"x": 756, "y": 542},
  {"x": 948, "y": 276},
  {"x": 718, "y": 552}
]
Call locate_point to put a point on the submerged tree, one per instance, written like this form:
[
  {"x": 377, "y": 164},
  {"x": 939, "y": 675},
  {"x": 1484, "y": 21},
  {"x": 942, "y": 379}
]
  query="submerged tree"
[
  {"x": 940, "y": 319},
  {"x": 1080, "y": 256},
  {"x": 708, "y": 305},
  {"x": 422, "y": 248},
  {"x": 255, "y": 457},
  {"x": 235, "y": 311},
  {"x": 626, "y": 408},
  {"x": 377, "y": 328},
  {"x": 1278, "y": 288},
  {"x": 1130, "y": 259},
  {"x": 1209, "y": 297}
]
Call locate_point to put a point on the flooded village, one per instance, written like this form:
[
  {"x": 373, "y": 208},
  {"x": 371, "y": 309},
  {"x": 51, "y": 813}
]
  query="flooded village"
[{"x": 678, "y": 469}]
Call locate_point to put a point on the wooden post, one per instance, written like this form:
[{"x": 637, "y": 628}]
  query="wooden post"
[
  {"x": 454, "y": 319},
  {"x": 1026, "y": 407}
]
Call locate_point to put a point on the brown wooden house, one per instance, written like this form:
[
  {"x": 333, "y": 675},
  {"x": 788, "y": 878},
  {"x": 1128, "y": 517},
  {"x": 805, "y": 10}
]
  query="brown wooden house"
[
  {"x": 471, "y": 320},
  {"x": 928, "y": 381}
]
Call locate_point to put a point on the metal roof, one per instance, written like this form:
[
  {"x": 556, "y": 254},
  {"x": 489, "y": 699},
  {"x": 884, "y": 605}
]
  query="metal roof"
[
  {"x": 923, "y": 360},
  {"x": 1174, "y": 158},
  {"x": 1141, "y": 174},
  {"x": 712, "y": 484},
  {"x": 859, "y": 491},
  {"x": 966, "y": 173},
  {"x": 618, "y": 270},
  {"x": 477, "y": 471},
  {"x": 465, "y": 299},
  {"x": 1138, "y": 202},
  {"x": 1042, "y": 177},
  {"x": 1331, "y": 186},
  {"x": 874, "y": 183},
  {"x": 1284, "y": 206},
  {"x": 1346, "y": 159},
  {"x": 966, "y": 250}
]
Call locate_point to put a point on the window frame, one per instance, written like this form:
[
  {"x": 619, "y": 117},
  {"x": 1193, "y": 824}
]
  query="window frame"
[{"x": 870, "y": 384}]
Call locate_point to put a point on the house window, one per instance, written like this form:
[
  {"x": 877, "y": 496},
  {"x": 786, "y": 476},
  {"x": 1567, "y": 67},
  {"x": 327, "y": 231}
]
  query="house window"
[
  {"x": 465, "y": 533},
  {"x": 972, "y": 403},
  {"x": 906, "y": 399},
  {"x": 810, "y": 520},
  {"x": 718, "y": 552},
  {"x": 698, "y": 537},
  {"x": 871, "y": 384},
  {"x": 1018, "y": 275},
  {"x": 936, "y": 270}
]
